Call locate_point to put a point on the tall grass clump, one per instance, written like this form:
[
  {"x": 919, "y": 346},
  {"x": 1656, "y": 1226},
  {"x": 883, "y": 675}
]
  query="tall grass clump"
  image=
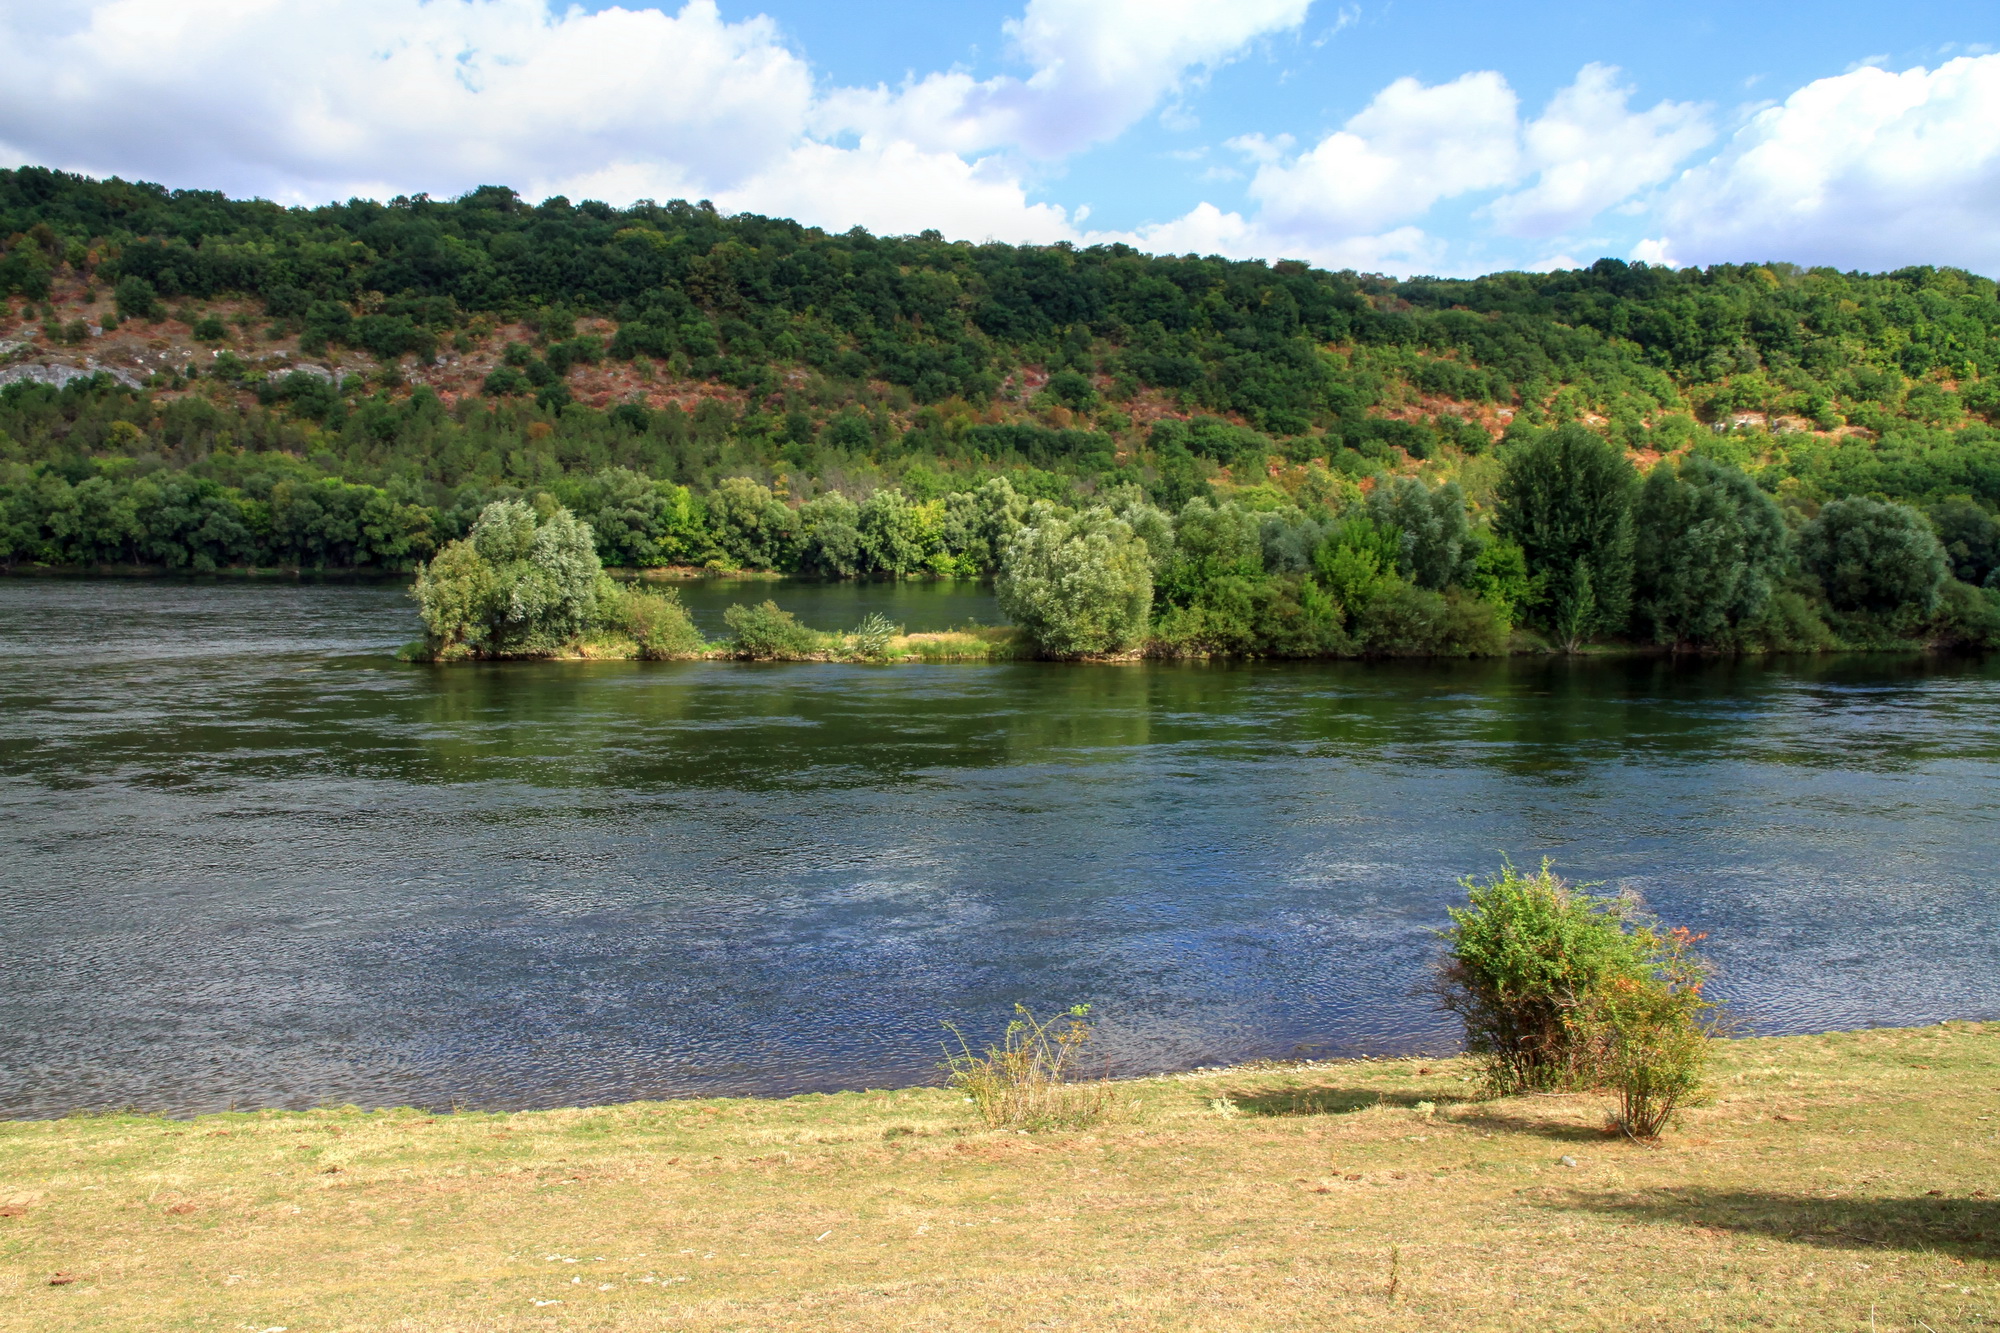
[
  {"x": 1561, "y": 989},
  {"x": 869, "y": 640},
  {"x": 1026, "y": 1080}
]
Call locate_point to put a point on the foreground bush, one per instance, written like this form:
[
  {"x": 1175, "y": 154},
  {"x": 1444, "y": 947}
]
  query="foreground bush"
[
  {"x": 1563, "y": 989},
  {"x": 1649, "y": 1040},
  {"x": 1025, "y": 1081}
]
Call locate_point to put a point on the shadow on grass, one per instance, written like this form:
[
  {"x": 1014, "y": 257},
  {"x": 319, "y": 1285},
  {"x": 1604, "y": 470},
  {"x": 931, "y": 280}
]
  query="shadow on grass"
[
  {"x": 1332, "y": 1101},
  {"x": 1967, "y": 1228}
]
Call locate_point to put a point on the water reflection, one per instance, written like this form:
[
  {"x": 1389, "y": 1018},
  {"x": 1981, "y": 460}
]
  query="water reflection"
[{"x": 250, "y": 859}]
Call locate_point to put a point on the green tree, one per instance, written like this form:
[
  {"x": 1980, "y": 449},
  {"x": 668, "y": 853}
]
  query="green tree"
[
  {"x": 1436, "y": 540},
  {"x": 1710, "y": 548},
  {"x": 516, "y": 586},
  {"x": 1566, "y": 499},
  {"x": 1875, "y": 558},
  {"x": 1077, "y": 584},
  {"x": 754, "y": 528},
  {"x": 137, "y": 299}
]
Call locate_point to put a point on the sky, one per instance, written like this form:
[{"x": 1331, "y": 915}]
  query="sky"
[{"x": 1397, "y": 136}]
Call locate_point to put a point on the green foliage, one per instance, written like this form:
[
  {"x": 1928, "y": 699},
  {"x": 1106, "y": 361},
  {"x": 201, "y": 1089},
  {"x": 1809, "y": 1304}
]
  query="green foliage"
[
  {"x": 1436, "y": 545},
  {"x": 1077, "y": 584},
  {"x": 766, "y": 633},
  {"x": 1566, "y": 498},
  {"x": 1875, "y": 558},
  {"x": 1521, "y": 957},
  {"x": 867, "y": 373},
  {"x": 1710, "y": 549},
  {"x": 517, "y": 586},
  {"x": 137, "y": 299},
  {"x": 657, "y": 621},
  {"x": 1649, "y": 1037}
]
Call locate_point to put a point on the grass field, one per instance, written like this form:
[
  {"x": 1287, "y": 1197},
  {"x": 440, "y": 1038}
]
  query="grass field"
[{"x": 1833, "y": 1182}]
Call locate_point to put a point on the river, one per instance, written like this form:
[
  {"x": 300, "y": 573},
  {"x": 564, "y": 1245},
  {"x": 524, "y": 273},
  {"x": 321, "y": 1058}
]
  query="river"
[{"x": 249, "y": 859}]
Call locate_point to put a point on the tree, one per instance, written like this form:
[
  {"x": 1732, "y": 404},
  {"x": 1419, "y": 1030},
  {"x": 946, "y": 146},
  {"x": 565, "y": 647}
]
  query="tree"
[
  {"x": 753, "y": 527},
  {"x": 1874, "y": 558},
  {"x": 1436, "y": 541},
  {"x": 1710, "y": 547},
  {"x": 1566, "y": 499},
  {"x": 1971, "y": 538},
  {"x": 1077, "y": 584},
  {"x": 516, "y": 586}
]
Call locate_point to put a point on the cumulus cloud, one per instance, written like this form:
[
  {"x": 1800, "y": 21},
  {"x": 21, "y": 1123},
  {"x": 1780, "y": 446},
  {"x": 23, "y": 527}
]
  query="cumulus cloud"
[
  {"x": 1409, "y": 148},
  {"x": 1356, "y": 198},
  {"x": 1589, "y": 151},
  {"x": 1098, "y": 66},
  {"x": 305, "y": 100},
  {"x": 1869, "y": 169},
  {"x": 309, "y": 99}
]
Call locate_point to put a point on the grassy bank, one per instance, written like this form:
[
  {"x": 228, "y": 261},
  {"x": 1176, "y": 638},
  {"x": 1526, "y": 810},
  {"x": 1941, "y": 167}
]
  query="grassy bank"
[{"x": 1834, "y": 1182}]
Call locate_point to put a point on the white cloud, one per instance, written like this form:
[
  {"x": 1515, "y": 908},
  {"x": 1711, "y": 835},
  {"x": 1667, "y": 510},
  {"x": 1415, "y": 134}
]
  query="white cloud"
[
  {"x": 1864, "y": 170},
  {"x": 308, "y": 99},
  {"x": 1409, "y": 148},
  {"x": 1099, "y": 66},
  {"x": 305, "y": 100},
  {"x": 1355, "y": 198},
  {"x": 897, "y": 188},
  {"x": 1590, "y": 152}
]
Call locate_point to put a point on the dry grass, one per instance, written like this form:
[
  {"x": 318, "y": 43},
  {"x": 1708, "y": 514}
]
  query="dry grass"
[{"x": 1837, "y": 1182}]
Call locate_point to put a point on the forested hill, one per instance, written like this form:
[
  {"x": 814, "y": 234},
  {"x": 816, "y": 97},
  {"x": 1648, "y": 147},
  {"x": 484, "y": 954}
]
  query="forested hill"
[{"x": 428, "y": 355}]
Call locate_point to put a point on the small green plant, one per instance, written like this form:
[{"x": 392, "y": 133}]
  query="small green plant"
[
  {"x": 870, "y": 639},
  {"x": 1024, "y": 1082},
  {"x": 766, "y": 633}
]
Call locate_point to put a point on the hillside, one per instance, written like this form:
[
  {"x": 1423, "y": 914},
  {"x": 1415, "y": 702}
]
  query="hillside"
[{"x": 350, "y": 384}]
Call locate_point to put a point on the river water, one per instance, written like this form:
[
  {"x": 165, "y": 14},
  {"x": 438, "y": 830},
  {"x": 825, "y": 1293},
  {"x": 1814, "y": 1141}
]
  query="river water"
[{"x": 247, "y": 858}]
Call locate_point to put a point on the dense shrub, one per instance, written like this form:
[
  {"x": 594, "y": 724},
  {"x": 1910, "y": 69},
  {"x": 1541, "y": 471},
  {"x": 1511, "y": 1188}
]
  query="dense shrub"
[
  {"x": 1077, "y": 584},
  {"x": 1875, "y": 558},
  {"x": 517, "y": 586},
  {"x": 656, "y": 621},
  {"x": 1521, "y": 957},
  {"x": 766, "y": 633}
]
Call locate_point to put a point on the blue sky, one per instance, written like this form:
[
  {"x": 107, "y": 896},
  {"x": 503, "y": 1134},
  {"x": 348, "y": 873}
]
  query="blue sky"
[{"x": 1414, "y": 136}]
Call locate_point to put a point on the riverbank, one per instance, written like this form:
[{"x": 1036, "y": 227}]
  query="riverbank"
[{"x": 1839, "y": 1181}]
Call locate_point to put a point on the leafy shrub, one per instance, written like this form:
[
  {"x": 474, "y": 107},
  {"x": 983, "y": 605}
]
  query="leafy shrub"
[
  {"x": 136, "y": 299},
  {"x": 1024, "y": 1082},
  {"x": 658, "y": 623},
  {"x": 1521, "y": 958},
  {"x": 870, "y": 639},
  {"x": 1402, "y": 620},
  {"x": 516, "y": 586},
  {"x": 765, "y": 633},
  {"x": 1077, "y": 584},
  {"x": 1649, "y": 1039}
]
